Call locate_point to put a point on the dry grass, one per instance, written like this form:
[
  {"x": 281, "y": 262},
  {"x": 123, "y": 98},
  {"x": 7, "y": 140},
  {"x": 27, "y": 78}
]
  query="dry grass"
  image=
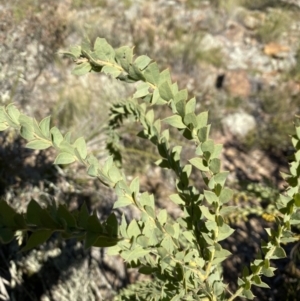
[{"x": 276, "y": 23}]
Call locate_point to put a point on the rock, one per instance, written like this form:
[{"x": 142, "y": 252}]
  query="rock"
[
  {"x": 287, "y": 63},
  {"x": 210, "y": 42},
  {"x": 239, "y": 124},
  {"x": 250, "y": 22},
  {"x": 276, "y": 50},
  {"x": 253, "y": 20},
  {"x": 254, "y": 165},
  {"x": 236, "y": 83},
  {"x": 270, "y": 79},
  {"x": 234, "y": 31},
  {"x": 132, "y": 12},
  {"x": 293, "y": 2},
  {"x": 236, "y": 58},
  {"x": 293, "y": 87}
]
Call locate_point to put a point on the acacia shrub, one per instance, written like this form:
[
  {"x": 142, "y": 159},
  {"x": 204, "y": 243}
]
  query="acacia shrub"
[{"x": 183, "y": 255}]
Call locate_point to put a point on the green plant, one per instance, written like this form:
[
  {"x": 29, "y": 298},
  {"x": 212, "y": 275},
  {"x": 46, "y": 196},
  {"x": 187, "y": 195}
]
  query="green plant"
[
  {"x": 274, "y": 110},
  {"x": 90, "y": 3},
  {"x": 22, "y": 8},
  {"x": 294, "y": 73},
  {"x": 255, "y": 199},
  {"x": 276, "y": 23},
  {"x": 229, "y": 5},
  {"x": 265, "y": 4},
  {"x": 190, "y": 53},
  {"x": 183, "y": 255}
]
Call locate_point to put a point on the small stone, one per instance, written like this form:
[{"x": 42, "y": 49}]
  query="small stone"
[
  {"x": 209, "y": 42},
  {"x": 239, "y": 124},
  {"x": 236, "y": 83},
  {"x": 253, "y": 20},
  {"x": 234, "y": 31},
  {"x": 276, "y": 50},
  {"x": 293, "y": 87},
  {"x": 250, "y": 22}
]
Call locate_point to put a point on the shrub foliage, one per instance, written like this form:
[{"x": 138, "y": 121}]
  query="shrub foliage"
[{"x": 182, "y": 255}]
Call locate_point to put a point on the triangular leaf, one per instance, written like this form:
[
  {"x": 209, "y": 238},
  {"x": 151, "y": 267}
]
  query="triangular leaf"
[
  {"x": 122, "y": 201},
  {"x": 226, "y": 195},
  {"x": 37, "y": 238},
  {"x": 82, "y": 69},
  {"x": 57, "y": 137},
  {"x": 103, "y": 50},
  {"x": 142, "y": 90},
  {"x": 93, "y": 224},
  {"x": 175, "y": 121},
  {"x": 162, "y": 216},
  {"x": 83, "y": 216},
  {"x": 134, "y": 254},
  {"x": 33, "y": 215},
  {"x": 152, "y": 74},
  {"x": 165, "y": 91},
  {"x": 90, "y": 239},
  {"x": 142, "y": 61},
  {"x": 13, "y": 113},
  {"x": 278, "y": 253},
  {"x": 7, "y": 214},
  {"x": 124, "y": 57},
  {"x": 38, "y": 144},
  {"x": 81, "y": 147},
  {"x": 64, "y": 158},
  {"x": 176, "y": 199},
  {"x": 111, "y": 70},
  {"x": 6, "y": 235},
  {"x": 199, "y": 163},
  {"x": 64, "y": 214},
  {"x": 133, "y": 229},
  {"x": 190, "y": 106},
  {"x": 210, "y": 197},
  {"x": 45, "y": 126},
  {"x": 202, "y": 120},
  {"x": 112, "y": 225}
]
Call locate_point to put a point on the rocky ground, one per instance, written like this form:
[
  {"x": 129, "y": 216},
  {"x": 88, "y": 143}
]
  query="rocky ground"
[{"x": 241, "y": 60}]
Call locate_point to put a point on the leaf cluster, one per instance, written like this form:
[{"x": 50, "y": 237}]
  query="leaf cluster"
[
  {"x": 182, "y": 254},
  {"x": 40, "y": 223}
]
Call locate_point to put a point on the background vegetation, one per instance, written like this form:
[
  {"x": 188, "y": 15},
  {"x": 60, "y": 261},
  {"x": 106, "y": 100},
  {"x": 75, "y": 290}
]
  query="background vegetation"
[{"x": 178, "y": 36}]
